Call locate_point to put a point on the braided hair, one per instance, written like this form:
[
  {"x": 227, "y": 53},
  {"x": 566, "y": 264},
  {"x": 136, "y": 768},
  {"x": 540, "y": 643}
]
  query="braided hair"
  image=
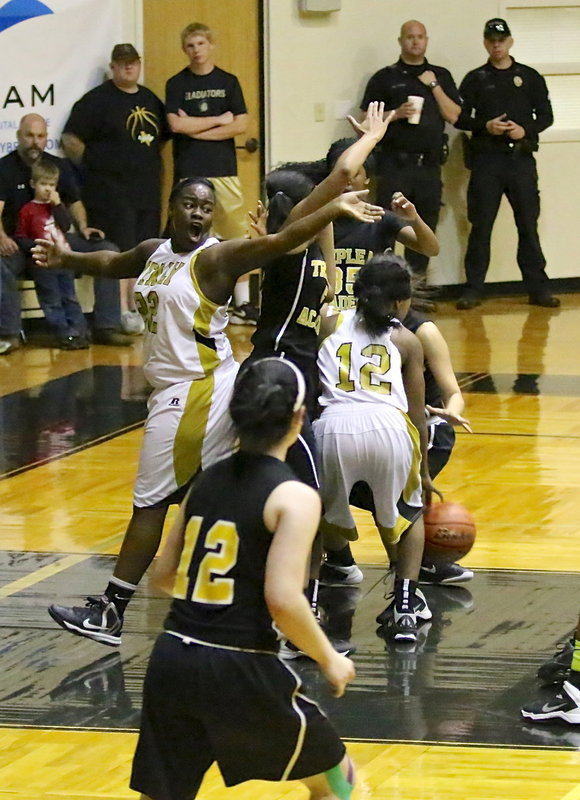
[{"x": 383, "y": 280}]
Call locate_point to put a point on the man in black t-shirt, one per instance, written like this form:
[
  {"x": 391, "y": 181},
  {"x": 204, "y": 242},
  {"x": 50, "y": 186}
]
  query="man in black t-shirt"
[
  {"x": 15, "y": 191},
  {"x": 114, "y": 133},
  {"x": 410, "y": 157},
  {"x": 506, "y": 106},
  {"x": 205, "y": 110}
]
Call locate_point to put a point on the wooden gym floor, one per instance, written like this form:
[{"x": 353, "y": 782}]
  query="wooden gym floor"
[{"x": 439, "y": 721}]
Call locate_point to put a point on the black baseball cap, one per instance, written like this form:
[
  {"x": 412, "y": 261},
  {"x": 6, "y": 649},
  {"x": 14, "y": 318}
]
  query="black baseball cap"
[
  {"x": 496, "y": 27},
  {"x": 124, "y": 52}
]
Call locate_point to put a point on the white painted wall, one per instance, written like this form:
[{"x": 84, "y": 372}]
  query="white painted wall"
[{"x": 325, "y": 60}]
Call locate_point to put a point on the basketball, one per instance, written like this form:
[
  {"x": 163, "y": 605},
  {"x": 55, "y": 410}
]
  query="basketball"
[{"x": 449, "y": 532}]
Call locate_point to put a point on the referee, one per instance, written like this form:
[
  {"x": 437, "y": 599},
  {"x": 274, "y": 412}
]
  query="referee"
[
  {"x": 505, "y": 106},
  {"x": 412, "y": 152}
]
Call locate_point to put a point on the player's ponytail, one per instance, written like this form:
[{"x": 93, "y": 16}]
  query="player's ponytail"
[
  {"x": 284, "y": 189},
  {"x": 267, "y": 394},
  {"x": 383, "y": 280}
]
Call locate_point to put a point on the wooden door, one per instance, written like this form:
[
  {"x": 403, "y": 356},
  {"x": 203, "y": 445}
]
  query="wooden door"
[{"x": 237, "y": 27}]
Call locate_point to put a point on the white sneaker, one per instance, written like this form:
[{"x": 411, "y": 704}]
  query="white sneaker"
[
  {"x": 335, "y": 575},
  {"x": 132, "y": 323}
]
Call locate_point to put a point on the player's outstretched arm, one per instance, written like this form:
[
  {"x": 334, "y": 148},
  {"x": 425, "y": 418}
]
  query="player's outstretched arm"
[
  {"x": 438, "y": 359},
  {"x": 292, "y": 513},
  {"x": 106, "y": 263},
  {"x": 219, "y": 267}
]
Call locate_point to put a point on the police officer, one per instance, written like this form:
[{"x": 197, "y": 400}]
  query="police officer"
[
  {"x": 505, "y": 106},
  {"x": 411, "y": 155}
]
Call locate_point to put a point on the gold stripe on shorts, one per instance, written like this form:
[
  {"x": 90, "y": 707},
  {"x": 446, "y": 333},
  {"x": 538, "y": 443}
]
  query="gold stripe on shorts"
[
  {"x": 414, "y": 477},
  {"x": 191, "y": 431}
]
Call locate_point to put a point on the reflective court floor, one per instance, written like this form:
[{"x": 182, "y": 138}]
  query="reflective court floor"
[{"x": 437, "y": 720}]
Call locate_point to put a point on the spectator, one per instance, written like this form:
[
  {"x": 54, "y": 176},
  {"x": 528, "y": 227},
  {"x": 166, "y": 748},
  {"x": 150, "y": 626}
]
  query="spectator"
[
  {"x": 15, "y": 191},
  {"x": 45, "y": 217},
  {"x": 114, "y": 133},
  {"x": 205, "y": 111},
  {"x": 413, "y": 150},
  {"x": 505, "y": 106}
]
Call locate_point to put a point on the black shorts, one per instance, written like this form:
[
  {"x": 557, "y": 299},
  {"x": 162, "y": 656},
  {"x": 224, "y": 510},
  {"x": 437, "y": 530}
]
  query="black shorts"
[{"x": 244, "y": 710}]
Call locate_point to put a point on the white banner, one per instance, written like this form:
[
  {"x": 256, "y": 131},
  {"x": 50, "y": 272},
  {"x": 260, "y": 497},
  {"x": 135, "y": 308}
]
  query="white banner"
[{"x": 51, "y": 53}]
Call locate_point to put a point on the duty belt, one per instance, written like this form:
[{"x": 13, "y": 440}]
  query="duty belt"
[{"x": 417, "y": 159}]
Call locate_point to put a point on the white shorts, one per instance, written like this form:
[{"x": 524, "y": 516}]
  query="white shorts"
[
  {"x": 188, "y": 427},
  {"x": 375, "y": 444}
]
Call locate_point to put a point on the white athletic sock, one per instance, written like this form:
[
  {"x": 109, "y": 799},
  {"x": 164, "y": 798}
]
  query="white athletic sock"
[{"x": 242, "y": 291}]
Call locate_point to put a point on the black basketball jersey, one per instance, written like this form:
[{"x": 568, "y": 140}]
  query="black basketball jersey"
[
  {"x": 293, "y": 290},
  {"x": 219, "y": 589},
  {"x": 355, "y": 243},
  {"x": 413, "y": 322}
]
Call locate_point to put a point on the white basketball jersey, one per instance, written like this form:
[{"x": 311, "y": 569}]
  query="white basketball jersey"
[
  {"x": 184, "y": 331},
  {"x": 357, "y": 368}
]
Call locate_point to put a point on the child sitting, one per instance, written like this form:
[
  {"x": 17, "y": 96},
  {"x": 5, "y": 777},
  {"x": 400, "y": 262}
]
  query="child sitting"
[{"x": 46, "y": 217}]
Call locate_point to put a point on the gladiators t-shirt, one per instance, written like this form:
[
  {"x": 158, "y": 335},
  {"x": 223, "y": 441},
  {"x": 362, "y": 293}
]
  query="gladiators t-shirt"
[
  {"x": 204, "y": 96},
  {"x": 122, "y": 133}
]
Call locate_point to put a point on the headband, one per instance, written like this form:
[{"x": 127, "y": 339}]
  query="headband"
[{"x": 300, "y": 382}]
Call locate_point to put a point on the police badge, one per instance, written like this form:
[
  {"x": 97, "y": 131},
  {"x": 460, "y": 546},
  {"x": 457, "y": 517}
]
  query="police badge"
[{"x": 518, "y": 81}]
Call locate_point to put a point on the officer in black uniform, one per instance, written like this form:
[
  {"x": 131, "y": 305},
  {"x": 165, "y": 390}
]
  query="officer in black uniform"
[
  {"x": 505, "y": 106},
  {"x": 411, "y": 154}
]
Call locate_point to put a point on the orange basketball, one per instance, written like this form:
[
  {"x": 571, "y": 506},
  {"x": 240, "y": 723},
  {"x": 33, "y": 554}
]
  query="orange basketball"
[{"x": 449, "y": 532}]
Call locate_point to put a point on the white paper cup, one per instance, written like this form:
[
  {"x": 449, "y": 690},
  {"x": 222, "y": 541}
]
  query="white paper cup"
[{"x": 417, "y": 101}]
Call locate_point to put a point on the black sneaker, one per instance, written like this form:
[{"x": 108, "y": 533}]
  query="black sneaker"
[
  {"x": 444, "y": 573},
  {"x": 112, "y": 338},
  {"x": 73, "y": 343},
  {"x": 244, "y": 314},
  {"x": 557, "y": 668},
  {"x": 468, "y": 301},
  {"x": 334, "y": 575},
  {"x": 544, "y": 299},
  {"x": 421, "y": 609},
  {"x": 563, "y": 704},
  {"x": 407, "y": 609},
  {"x": 98, "y": 620}
]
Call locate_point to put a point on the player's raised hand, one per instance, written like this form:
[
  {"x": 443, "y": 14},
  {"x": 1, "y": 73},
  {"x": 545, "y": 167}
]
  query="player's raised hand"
[
  {"x": 375, "y": 122},
  {"x": 403, "y": 208},
  {"x": 48, "y": 253},
  {"x": 356, "y": 204},
  {"x": 339, "y": 672},
  {"x": 258, "y": 219}
]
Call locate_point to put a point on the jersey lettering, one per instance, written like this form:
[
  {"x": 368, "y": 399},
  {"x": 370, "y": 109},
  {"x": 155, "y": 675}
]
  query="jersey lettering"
[
  {"x": 147, "y": 306},
  {"x": 159, "y": 273},
  {"x": 310, "y": 318},
  {"x": 318, "y": 268},
  {"x": 221, "y": 545},
  {"x": 370, "y": 373}
]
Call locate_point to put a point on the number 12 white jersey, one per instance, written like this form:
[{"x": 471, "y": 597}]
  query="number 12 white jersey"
[{"x": 356, "y": 367}]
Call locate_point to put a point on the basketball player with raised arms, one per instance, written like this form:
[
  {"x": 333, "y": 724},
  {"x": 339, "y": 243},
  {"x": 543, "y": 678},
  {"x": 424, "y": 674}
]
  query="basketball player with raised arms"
[
  {"x": 234, "y": 563},
  {"x": 182, "y": 291},
  {"x": 372, "y": 429}
]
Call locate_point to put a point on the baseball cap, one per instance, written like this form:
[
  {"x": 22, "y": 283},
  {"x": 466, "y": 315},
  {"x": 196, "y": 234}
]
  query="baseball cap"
[
  {"x": 124, "y": 52},
  {"x": 496, "y": 27}
]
